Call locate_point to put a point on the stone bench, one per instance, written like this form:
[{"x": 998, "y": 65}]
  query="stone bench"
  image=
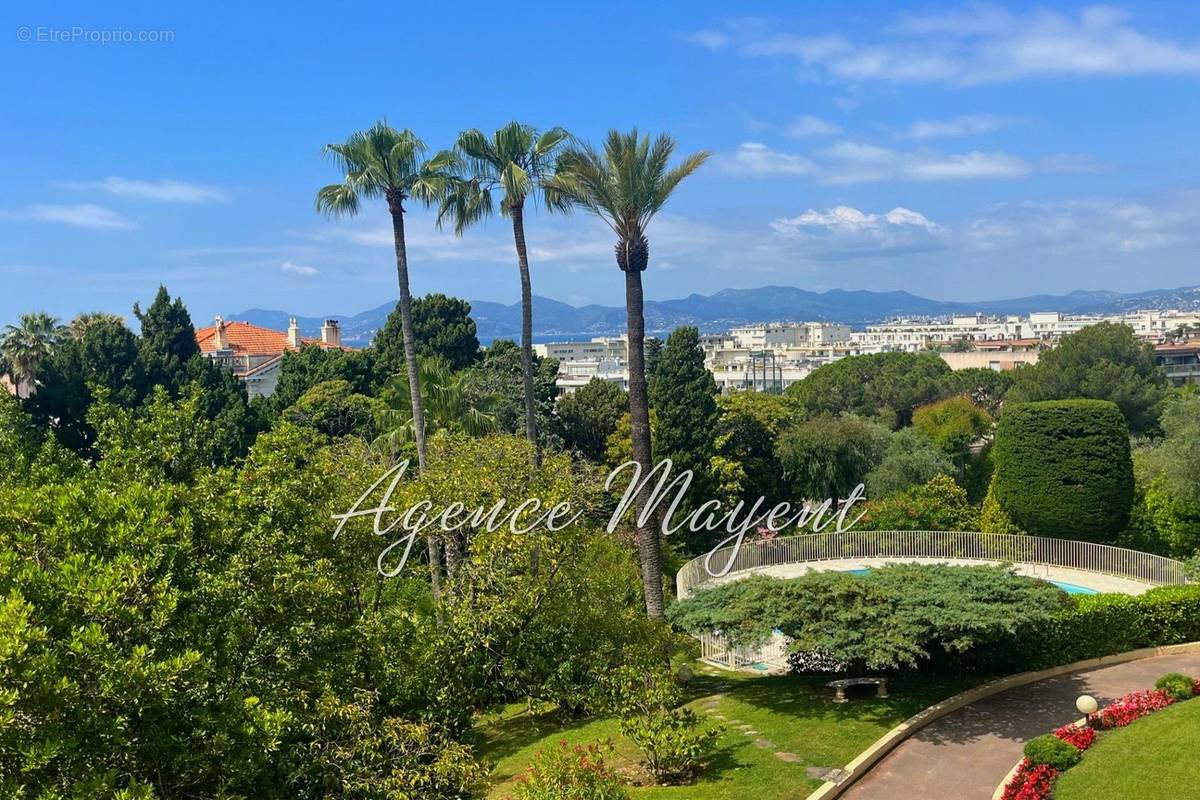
[{"x": 840, "y": 686}]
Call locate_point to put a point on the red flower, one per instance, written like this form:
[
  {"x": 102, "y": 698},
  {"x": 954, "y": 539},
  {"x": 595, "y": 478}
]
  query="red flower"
[
  {"x": 1080, "y": 737},
  {"x": 1132, "y": 706},
  {"x": 1030, "y": 782}
]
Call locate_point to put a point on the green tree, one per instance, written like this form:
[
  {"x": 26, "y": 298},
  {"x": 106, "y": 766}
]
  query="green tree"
[
  {"x": 499, "y": 375},
  {"x": 745, "y": 463},
  {"x": 383, "y": 162},
  {"x": 514, "y": 164},
  {"x": 889, "y": 385},
  {"x": 26, "y": 346},
  {"x": 442, "y": 328},
  {"x": 938, "y": 505},
  {"x": 589, "y": 415},
  {"x": 953, "y": 425},
  {"x": 106, "y": 356},
  {"x": 827, "y": 457},
  {"x": 626, "y": 186},
  {"x": 985, "y": 387},
  {"x": 334, "y": 409},
  {"x": 302, "y": 369},
  {"x": 1063, "y": 468},
  {"x": 451, "y": 407},
  {"x": 1176, "y": 457},
  {"x": 1102, "y": 362},
  {"x": 684, "y": 397},
  {"x": 167, "y": 342},
  {"x": 910, "y": 459}
]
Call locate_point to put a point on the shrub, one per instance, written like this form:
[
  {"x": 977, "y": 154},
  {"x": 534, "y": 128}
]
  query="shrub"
[
  {"x": 1063, "y": 468},
  {"x": 563, "y": 772},
  {"x": 939, "y": 505},
  {"x": 1178, "y": 687},
  {"x": 671, "y": 739},
  {"x": 992, "y": 518},
  {"x": 1053, "y": 751}
]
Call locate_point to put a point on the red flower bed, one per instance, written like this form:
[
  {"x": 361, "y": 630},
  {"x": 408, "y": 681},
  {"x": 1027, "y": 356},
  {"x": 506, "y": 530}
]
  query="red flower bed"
[
  {"x": 1030, "y": 782},
  {"x": 1080, "y": 737},
  {"x": 1132, "y": 706}
]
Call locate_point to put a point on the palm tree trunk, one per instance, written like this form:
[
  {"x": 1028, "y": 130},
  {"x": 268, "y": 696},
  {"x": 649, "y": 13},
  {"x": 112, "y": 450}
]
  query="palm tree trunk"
[
  {"x": 414, "y": 377},
  {"x": 648, "y": 543},
  {"x": 518, "y": 223}
]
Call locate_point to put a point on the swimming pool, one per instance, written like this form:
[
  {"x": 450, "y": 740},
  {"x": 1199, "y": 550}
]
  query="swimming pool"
[{"x": 1069, "y": 588}]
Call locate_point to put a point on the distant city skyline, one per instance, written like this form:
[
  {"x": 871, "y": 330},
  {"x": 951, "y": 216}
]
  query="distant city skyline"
[{"x": 959, "y": 152}]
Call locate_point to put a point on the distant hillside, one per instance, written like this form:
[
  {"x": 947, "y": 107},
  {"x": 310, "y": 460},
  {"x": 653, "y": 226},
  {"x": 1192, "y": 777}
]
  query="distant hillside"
[{"x": 729, "y": 307}]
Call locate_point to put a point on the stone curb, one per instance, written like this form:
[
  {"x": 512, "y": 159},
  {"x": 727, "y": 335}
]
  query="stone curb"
[{"x": 889, "y": 741}]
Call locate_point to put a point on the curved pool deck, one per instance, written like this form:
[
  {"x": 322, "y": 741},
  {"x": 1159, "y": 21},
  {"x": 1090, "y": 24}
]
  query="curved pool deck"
[{"x": 1096, "y": 581}]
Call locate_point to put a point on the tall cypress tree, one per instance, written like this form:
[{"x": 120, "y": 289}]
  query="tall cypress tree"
[
  {"x": 168, "y": 340},
  {"x": 684, "y": 398}
]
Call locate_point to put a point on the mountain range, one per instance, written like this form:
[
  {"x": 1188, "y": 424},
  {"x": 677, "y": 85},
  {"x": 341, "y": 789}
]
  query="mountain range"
[{"x": 729, "y": 307}]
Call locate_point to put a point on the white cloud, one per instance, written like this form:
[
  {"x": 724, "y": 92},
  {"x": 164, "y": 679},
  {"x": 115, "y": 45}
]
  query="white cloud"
[
  {"x": 83, "y": 215},
  {"x": 1094, "y": 227},
  {"x": 981, "y": 44},
  {"x": 810, "y": 126},
  {"x": 956, "y": 126},
  {"x": 162, "y": 191},
  {"x": 288, "y": 268},
  {"x": 856, "y": 162},
  {"x": 844, "y": 232},
  {"x": 713, "y": 40},
  {"x": 755, "y": 158}
]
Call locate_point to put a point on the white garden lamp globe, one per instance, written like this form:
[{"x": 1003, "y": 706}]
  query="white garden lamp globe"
[{"x": 1086, "y": 704}]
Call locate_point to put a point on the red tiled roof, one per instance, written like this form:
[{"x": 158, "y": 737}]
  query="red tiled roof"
[
  {"x": 245, "y": 339},
  {"x": 1176, "y": 346}
]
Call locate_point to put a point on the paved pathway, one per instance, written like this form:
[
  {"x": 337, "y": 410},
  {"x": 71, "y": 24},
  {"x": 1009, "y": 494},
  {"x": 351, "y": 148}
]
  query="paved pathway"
[{"x": 964, "y": 756}]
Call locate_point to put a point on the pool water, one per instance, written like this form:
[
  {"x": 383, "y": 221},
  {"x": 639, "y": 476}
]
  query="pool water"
[{"x": 1069, "y": 588}]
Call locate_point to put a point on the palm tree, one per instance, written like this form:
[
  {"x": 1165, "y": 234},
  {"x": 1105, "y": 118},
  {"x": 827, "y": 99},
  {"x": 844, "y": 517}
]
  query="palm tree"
[
  {"x": 626, "y": 186},
  {"x": 26, "y": 346},
  {"x": 450, "y": 406},
  {"x": 87, "y": 319},
  {"x": 382, "y": 162},
  {"x": 514, "y": 162}
]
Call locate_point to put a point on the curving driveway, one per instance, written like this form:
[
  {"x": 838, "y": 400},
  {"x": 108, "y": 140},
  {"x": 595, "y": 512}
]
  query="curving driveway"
[{"x": 964, "y": 755}]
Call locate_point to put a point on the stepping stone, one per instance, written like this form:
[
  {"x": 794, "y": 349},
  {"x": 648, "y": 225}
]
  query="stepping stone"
[
  {"x": 720, "y": 716},
  {"x": 764, "y": 743},
  {"x": 831, "y": 774},
  {"x": 791, "y": 758}
]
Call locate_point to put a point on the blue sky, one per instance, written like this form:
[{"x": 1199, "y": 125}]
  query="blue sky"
[{"x": 956, "y": 151}]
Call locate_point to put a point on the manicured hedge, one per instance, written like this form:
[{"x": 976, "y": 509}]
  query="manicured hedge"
[
  {"x": 1063, "y": 468},
  {"x": 1104, "y": 625}
]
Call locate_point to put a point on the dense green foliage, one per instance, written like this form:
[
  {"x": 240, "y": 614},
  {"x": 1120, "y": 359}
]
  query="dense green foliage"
[
  {"x": 911, "y": 459},
  {"x": 1049, "y": 749},
  {"x": 745, "y": 466},
  {"x": 589, "y": 415},
  {"x": 1063, "y": 469},
  {"x": 939, "y": 505},
  {"x": 684, "y": 398},
  {"x": 302, "y": 369},
  {"x": 442, "y": 327},
  {"x": 1103, "y": 362},
  {"x": 987, "y": 388},
  {"x": 898, "y": 616},
  {"x": 335, "y": 409},
  {"x": 827, "y": 457},
  {"x": 886, "y": 384},
  {"x": 953, "y": 425},
  {"x": 1179, "y": 687},
  {"x": 498, "y": 376}
]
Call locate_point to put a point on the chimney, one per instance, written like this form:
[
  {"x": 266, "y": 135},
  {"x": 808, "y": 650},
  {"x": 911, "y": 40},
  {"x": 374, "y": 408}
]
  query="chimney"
[
  {"x": 221, "y": 340},
  {"x": 331, "y": 334},
  {"x": 293, "y": 335}
]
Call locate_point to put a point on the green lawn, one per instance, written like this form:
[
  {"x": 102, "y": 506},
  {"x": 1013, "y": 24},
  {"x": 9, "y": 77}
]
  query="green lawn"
[
  {"x": 796, "y": 714},
  {"x": 1153, "y": 759}
]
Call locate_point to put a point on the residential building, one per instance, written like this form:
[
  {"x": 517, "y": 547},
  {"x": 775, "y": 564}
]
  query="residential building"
[
  {"x": 255, "y": 353},
  {"x": 1180, "y": 360}
]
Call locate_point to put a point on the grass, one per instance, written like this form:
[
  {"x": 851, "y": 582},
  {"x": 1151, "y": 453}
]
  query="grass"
[
  {"x": 795, "y": 713},
  {"x": 1152, "y": 759}
]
